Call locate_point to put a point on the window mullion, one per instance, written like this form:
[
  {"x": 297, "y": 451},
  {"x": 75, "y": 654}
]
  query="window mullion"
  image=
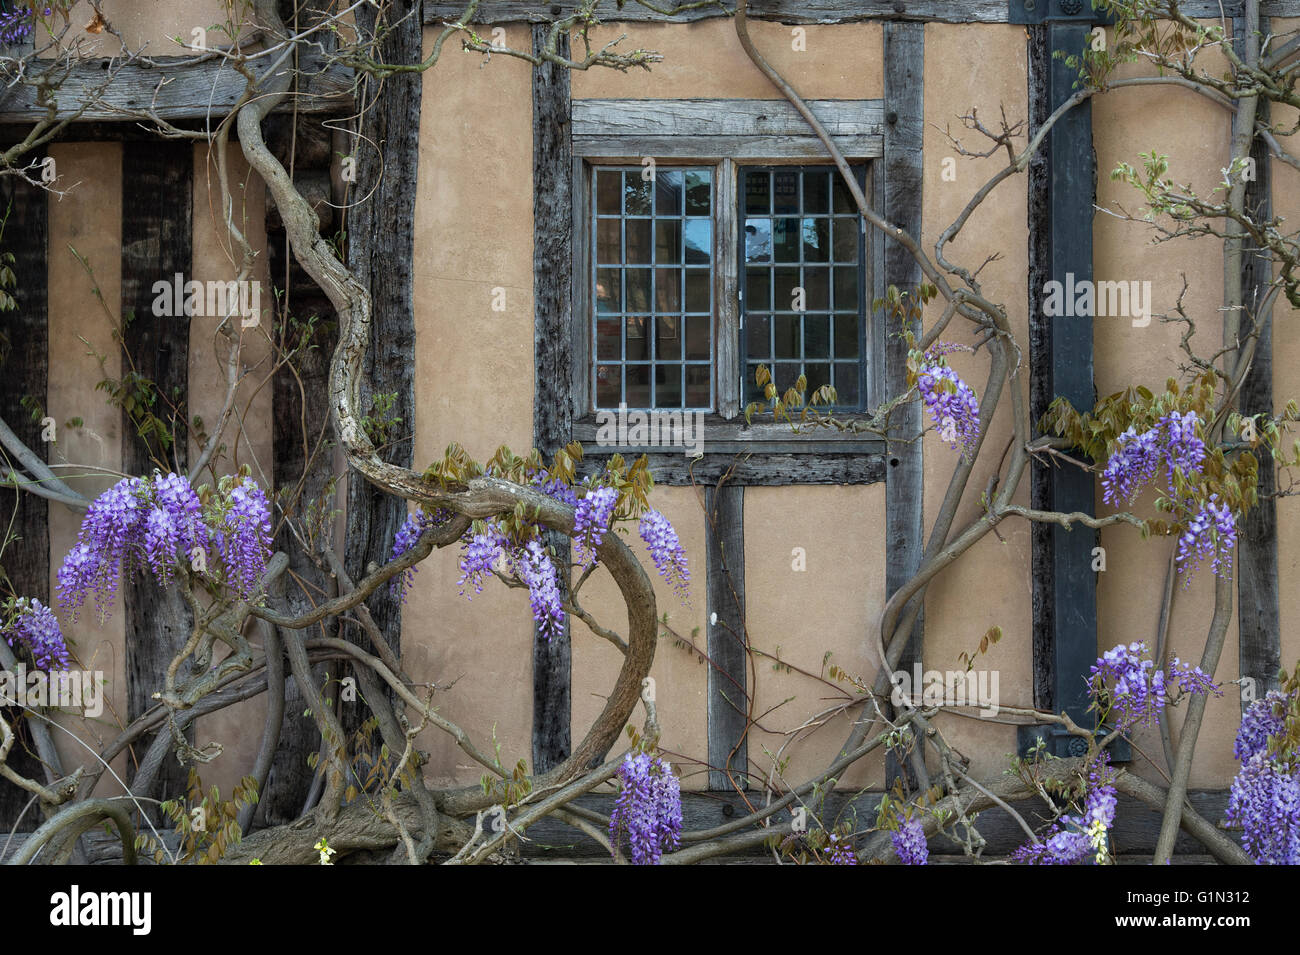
[{"x": 726, "y": 292}]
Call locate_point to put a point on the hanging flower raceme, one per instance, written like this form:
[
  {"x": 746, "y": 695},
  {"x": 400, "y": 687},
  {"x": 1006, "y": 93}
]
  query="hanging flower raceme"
[
  {"x": 1265, "y": 796},
  {"x": 1212, "y": 532},
  {"x": 648, "y": 808},
  {"x": 406, "y": 537},
  {"x": 591, "y": 518},
  {"x": 665, "y": 550},
  {"x": 16, "y": 24},
  {"x": 34, "y": 626},
  {"x": 952, "y": 404},
  {"x": 1075, "y": 839},
  {"x": 1135, "y": 690},
  {"x": 1184, "y": 451},
  {"x": 155, "y": 523},
  {"x": 840, "y": 851},
  {"x": 1131, "y": 466},
  {"x": 910, "y": 843},
  {"x": 242, "y": 536},
  {"x": 535, "y": 569}
]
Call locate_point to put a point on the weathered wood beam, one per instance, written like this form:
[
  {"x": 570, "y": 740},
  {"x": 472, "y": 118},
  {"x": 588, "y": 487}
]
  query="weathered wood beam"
[
  {"x": 797, "y": 11},
  {"x": 24, "y": 373},
  {"x": 174, "y": 92},
  {"x": 755, "y": 470},
  {"x": 904, "y": 58},
  {"x": 157, "y": 244},
  {"x": 728, "y": 702},
  {"x": 1258, "y": 618},
  {"x": 552, "y": 369}
]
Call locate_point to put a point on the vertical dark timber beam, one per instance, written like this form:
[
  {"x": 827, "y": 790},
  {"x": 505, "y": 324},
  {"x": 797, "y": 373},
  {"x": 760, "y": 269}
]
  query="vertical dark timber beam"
[
  {"x": 381, "y": 246},
  {"x": 553, "y": 362},
  {"x": 157, "y": 240},
  {"x": 905, "y": 476},
  {"x": 1065, "y": 586},
  {"x": 1259, "y": 627},
  {"x": 24, "y": 518},
  {"x": 728, "y": 706}
]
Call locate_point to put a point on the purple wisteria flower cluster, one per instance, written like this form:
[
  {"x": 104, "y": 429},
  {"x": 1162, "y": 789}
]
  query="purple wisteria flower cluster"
[
  {"x": 406, "y": 537},
  {"x": 591, "y": 519},
  {"x": 1265, "y": 796},
  {"x": 1138, "y": 691},
  {"x": 648, "y": 808},
  {"x": 1137, "y": 457},
  {"x": 152, "y": 523},
  {"x": 16, "y": 24},
  {"x": 535, "y": 569},
  {"x": 1074, "y": 839},
  {"x": 482, "y": 549},
  {"x": 952, "y": 404},
  {"x": 1211, "y": 532},
  {"x": 840, "y": 851},
  {"x": 35, "y": 627},
  {"x": 910, "y": 843},
  {"x": 665, "y": 550}
]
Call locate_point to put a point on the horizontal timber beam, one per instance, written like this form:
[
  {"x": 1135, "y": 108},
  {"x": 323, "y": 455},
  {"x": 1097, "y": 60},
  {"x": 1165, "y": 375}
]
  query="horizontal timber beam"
[
  {"x": 798, "y": 11},
  {"x": 174, "y": 89}
]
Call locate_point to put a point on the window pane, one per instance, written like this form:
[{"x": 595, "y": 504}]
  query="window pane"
[
  {"x": 846, "y": 289},
  {"x": 699, "y": 192},
  {"x": 668, "y": 338},
  {"x": 816, "y": 240},
  {"x": 758, "y": 240},
  {"x": 698, "y": 378},
  {"x": 697, "y": 291},
  {"x": 668, "y": 192},
  {"x": 638, "y": 386},
  {"x": 787, "y": 280},
  {"x": 846, "y": 239},
  {"x": 752, "y": 391},
  {"x": 817, "y": 339},
  {"x": 636, "y": 194},
  {"x": 609, "y": 192},
  {"x": 609, "y": 294},
  {"x": 786, "y": 337},
  {"x": 785, "y": 192},
  {"x": 638, "y": 345},
  {"x": 758, "y": 290},
  {"x": 846, "y": 336},
  {"x": 786, "y": 374},
  {"x": 758, "y": 338},
  {"x": 785, "y": 240},
  {"x": 668, "y": 386},
  {"x": 843, "y": 198},
  {"x": 638, "y": 241},
  {"x": 699, "y": 241},
  {"x": 668, "y": 241},
  {"x": 817, "y": 288},
  {"x": 609, "y": 386},
  {"x": 846, "y": 384},
  {"x": 668, "y": 290},
  {"x": 818, "y": 375},
  {"x": 697, "y": 337},
  {"x": 758, "y": 193},
  {"x": 609, "y": 241},
  {"x": 637, "y": 283},
  {"x": 609, "y": 343},
  {"x": 816, "y": 193}
]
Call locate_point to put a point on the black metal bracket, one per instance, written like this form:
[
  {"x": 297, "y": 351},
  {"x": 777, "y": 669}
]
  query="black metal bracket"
[{"x": 1056, "y": 11}]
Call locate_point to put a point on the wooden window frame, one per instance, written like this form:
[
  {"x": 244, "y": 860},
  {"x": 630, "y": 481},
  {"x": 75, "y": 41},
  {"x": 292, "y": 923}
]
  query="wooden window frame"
[{"x": 726, "y": 134}]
